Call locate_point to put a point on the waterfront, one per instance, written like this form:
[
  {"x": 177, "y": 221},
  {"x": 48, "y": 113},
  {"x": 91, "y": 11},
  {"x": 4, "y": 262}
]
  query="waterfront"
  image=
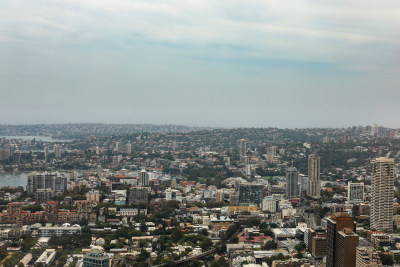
[
  {"x": 37, "y": 138},
  {"x": 13, "y": 179}
]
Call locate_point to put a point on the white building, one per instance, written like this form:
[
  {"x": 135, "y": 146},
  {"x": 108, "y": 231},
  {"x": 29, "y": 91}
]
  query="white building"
[
  {"x": 269, "y": 204},
  {"x": 65, "y": 229},
  {"x": 382, "y": 194},
  {"x": 355, "y": 192},
  {"x": 47, "y": 256}
]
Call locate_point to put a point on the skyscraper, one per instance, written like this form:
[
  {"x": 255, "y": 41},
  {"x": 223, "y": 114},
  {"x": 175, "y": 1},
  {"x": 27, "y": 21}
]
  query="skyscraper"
[
  {"x": 336, "y": 223},
  {"x": 292, "y": 179},
  {"x": 382, "y": 194},
  {"x": 242, "y": 150},
  {"x": 144, "y": 178},
  {"x": 314, "y": 183},
  {"x": 46, "y": 153},
  {"x": 347, "y": 242},
  {"x": 57, "y": 151}
]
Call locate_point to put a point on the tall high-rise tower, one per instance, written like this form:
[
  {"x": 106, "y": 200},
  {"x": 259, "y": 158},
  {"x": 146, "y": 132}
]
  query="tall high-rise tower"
[
  {"x": 242, "y": 150},
  {"x": 334, "y": 246},
  {"x": 292, "y": 180},
  {"x": 382, "y": 194},
  {"x": 144, "y": 178},
  {"x": 314, "y": 183},
  {"x": 57, "y": 151}
]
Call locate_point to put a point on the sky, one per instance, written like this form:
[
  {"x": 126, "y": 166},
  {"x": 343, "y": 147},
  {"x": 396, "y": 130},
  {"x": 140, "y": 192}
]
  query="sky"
[{"x": 217, "y": 63}]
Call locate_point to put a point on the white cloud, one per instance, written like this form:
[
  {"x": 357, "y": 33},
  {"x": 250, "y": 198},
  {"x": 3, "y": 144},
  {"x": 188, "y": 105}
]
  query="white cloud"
[{"x": 336, "y": 31}]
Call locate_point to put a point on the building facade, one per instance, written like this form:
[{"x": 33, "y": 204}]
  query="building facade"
[
  {"x": 382, "y": 183},
  {"x": 336, "y": 223},
  {"x": 314, "y": 182},
  {"x": 347, "y": 242},
  {"x": 96, "y": 258},
  {"x": 55, "y": 181},
  {"x": 292, "y": 180},
  {"x": 250, "y": 193},
  {"x": 355, "y": 192}
]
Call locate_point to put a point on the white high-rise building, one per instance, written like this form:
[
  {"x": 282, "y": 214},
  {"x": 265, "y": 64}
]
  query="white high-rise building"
[
  {"x": 314, "y": 182},
  {"x": 128, "y": 148},
  {"x": 382, "y": 183},
  {"x": 57, "y": 151},
  {"x": 46, "y": 153},
  {"x": 355, "y": 192},
  {"x": 118, "y": 147},
  {"x": 242, "y": 150}
]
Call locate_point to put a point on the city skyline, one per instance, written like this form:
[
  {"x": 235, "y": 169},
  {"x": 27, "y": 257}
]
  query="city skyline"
[{"x": 207, "y": 63}]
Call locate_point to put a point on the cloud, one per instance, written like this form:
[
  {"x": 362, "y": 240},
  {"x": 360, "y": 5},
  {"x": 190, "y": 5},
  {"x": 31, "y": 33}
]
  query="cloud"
[
  {"x": 332, "y": 31},
  {"x": 279, "y": 61}
]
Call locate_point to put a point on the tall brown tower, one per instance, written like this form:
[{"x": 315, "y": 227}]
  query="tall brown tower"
[
  {"x": 336, "y": 223},
  {"x": 347, "y": 242}
]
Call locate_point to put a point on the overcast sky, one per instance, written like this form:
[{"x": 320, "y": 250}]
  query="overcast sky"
[{"x": 233, "y": 63}]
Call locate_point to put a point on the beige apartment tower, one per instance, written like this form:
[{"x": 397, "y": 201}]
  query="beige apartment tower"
[
  {"x": 382, "y": 183},
  {"x": 367, "y": 257},
  {"x": 314, "y": 183}
]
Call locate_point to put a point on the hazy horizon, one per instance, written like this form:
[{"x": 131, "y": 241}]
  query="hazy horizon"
[
  {"x": 232, "y": 64},
  {"x": 193, "y": 126}
]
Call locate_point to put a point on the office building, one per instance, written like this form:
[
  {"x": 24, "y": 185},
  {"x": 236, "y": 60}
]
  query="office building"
[
  {"x": 292, "y": 180},
  {"x": 314, "y": 183},
  {"x": 336, "y": 223},
  {"x": 347, "y": 242},
  {"x": 144, "y": 178},
  {"x": 96, "y": 258},
  {"x": 318, "y": 245},
  {"x": 138, "y": 194},
  {"x": 355, "y": 193},
  {"x": 303, "y": 182},
  {"x": 45, "y": 180},
  {"x": 367, "y": 257},
  {"x": 382, "y": 192},
  {"x": 250, "y": 193}
]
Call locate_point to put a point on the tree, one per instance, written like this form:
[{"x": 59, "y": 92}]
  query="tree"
[
  {"x": 176, "y": 235},
  {"x": 206, "y": 244},
  {"x": 271, "y": 244},
  {"x": 386, "y": 259},
  {"x": 234, "y": 239},
  {"x": 299, "y": 247}
]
